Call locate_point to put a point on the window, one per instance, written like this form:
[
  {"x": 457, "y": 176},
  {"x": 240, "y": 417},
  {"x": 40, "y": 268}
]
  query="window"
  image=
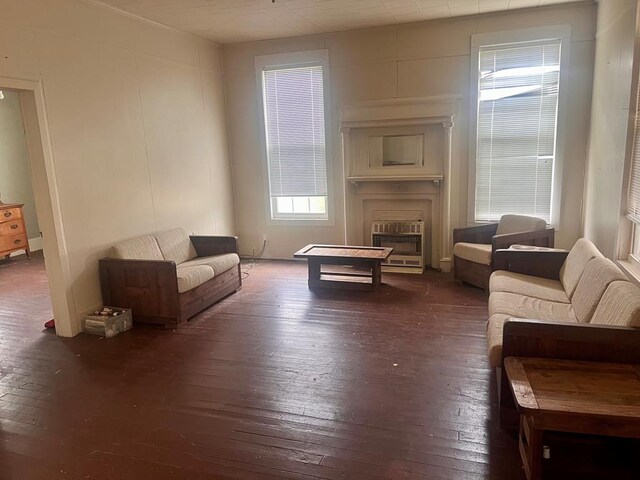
[
  {"x": 515, "y": 141},
  {"x": 633, "y": 186},
  {"x": 295, "y": 140}
]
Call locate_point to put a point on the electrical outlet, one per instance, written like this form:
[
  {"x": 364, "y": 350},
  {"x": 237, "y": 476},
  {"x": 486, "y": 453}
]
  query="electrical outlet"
[{"x": 264, "y": 237}]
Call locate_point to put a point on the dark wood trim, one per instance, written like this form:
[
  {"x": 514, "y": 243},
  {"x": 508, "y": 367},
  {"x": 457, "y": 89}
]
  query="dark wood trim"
[
  {"x": 537, "y": 263},
  {"x": 476, "y": 274},
  {"x": 538, "y": 238},
  {"x": 476, "y": 234},
  {"x": 207, "y": 246}
]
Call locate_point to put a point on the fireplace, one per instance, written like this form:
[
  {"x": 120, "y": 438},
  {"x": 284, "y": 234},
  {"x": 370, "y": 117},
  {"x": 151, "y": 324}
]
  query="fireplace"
[
  {"x": 407, "y": 241},
  {"x": 397, "y": 158}
]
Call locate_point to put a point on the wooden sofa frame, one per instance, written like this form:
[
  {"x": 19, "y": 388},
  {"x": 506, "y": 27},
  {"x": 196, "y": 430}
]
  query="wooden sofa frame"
[
  {"x": 478, "y": 274},
  {"x": 547, "y": 339},
  {"x": 150, "y": 287}
]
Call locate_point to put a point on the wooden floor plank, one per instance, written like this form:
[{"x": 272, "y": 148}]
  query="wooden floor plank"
[{"x": 276, "y": 381}]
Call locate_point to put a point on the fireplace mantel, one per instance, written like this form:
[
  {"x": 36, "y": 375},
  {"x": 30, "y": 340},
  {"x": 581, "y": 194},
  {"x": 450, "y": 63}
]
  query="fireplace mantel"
[{"x": 436, "y": 116}]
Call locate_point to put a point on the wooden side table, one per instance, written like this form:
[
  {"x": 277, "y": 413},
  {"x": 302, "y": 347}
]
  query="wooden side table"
[{"x": 571, "y": 396}]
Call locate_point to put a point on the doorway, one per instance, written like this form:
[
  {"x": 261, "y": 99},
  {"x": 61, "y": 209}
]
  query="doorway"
[
  {"x": 25, "y": 302},
  {"x": 30, "y": 95}
]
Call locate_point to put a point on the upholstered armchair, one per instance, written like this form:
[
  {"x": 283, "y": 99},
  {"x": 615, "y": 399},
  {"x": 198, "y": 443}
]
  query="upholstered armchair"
[{"x": 474, "y": 247}]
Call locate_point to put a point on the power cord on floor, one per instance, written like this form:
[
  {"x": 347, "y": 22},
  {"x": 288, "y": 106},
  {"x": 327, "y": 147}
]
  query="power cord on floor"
[{"x": 252, "y": 260}]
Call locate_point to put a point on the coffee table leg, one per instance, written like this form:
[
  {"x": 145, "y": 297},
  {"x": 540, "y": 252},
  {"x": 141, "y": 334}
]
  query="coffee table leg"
[
  {"x": 314, "y": 273},
  {"x": 376, "y": 275}
]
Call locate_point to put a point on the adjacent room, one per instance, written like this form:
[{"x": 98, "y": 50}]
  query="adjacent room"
[{"x": 319, "y": 239}]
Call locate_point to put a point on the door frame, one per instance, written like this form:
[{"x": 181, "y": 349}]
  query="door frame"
[{"x": 47, "y": 199}]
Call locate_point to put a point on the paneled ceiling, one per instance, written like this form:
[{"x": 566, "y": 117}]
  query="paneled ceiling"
[{"x": 232, "y": 21}]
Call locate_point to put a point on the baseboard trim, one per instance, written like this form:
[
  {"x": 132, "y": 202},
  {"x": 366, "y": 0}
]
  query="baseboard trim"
[{"x": 35, "y": 244}]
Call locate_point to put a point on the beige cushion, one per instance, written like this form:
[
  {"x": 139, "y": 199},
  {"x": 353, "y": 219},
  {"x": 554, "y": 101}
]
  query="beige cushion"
[
  {"x": 219, "y": 263},
  {"x": 494, "y": 338},
  {"x": 519, "y": 223},
  {"x": 139, "y": 248},
  {"x": 595, "y": 279},
  {"x": 574, "y": 265},
  {"x": 192, "y": 276},
  {"x": 522, "y": 306},
  {"x": 176, "y": 245},
  {"x": 542, "y": 288},
  {"x": 619, "y": 306},
  {"x": 474, "y": 252}
]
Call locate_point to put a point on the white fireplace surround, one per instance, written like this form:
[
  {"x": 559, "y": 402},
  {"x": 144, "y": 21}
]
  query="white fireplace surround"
[{"x": 425, "y": 189}]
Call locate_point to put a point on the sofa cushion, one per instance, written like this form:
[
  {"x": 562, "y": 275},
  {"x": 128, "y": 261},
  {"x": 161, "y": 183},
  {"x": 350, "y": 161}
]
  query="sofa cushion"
[
  {"x": 494, "y": 338},
  {"x": 595, "y": 279},
  {"x": 474, "y": 252},
  {"x": 139, "y": 248},
  {"x": 176, "y": 245},
  {"x": 219, "y": 263},
  {"x": 522, "y": 306},
  {"x": 574, "y": 265},
  {"x": 619, "y": 306},
  {"x": 190, "y": 277},
  {"x": 519, "y": 223},
  {"x": 537, "y": 287}
]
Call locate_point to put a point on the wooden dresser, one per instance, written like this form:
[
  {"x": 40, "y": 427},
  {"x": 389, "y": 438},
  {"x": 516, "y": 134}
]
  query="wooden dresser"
[{"x": 13, "y": 234}]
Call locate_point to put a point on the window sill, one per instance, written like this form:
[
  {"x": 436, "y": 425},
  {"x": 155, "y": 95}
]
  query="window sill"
[
  {"x": 631, "y": 270},
  {"x": 302, "y": 222}
]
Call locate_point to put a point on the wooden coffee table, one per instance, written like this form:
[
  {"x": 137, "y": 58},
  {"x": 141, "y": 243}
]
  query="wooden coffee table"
[
  {"x": 367, "y": 257},
  {"x": 571, "y": 396}
]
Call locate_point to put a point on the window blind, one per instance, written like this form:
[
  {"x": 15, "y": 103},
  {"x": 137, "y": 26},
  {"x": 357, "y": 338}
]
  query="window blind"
[
  {"x": 518, "y": 90},
  {"x": 633, "y": 195},
  {"x": 295, "y": 131}
]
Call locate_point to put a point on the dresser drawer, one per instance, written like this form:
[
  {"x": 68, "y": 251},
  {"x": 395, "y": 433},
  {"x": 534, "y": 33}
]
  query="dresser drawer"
[
  {"x": 13, "y": 241},
  {"x": 12, "y": 227},
  {"x": 10, "y": 214}
]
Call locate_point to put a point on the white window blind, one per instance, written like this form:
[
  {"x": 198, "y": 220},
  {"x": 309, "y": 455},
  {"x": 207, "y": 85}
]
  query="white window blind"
[
  {"x": 633, "y": 195},
  {"x": 295, "y": 140},
  {"x": 518, "y": 87}
]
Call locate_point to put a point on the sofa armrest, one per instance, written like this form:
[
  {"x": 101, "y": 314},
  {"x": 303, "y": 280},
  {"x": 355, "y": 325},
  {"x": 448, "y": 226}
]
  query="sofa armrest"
[
  {"x": 538, "y": 238},
  {"x": 214, "y": 245},
  {"x": 477, "y": 234},
  {"x": 570, "y": 341},
  {"x": 538, "y": 263},
  {"x": 116, "y": 273}
]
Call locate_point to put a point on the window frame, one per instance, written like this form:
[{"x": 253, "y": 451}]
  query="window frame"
[
  {"x": 293, "y": 60},
  {"x": 625, "y": 245},
  {"x": 527, "y": 35}
]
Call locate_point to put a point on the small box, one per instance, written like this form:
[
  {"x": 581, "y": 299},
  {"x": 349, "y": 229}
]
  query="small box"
[{"x": 109, "y": 321}]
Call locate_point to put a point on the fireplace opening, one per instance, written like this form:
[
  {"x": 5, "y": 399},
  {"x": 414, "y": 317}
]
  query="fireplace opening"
[{"x": 407, "y": 240}]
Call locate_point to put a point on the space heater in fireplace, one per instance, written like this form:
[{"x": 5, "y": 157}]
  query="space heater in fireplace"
[{"x": 407, "y": 240}]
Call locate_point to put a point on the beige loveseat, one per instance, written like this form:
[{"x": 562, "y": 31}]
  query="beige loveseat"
[
  {"x": 573, "y": 305},
  {"x": 167, "y": 278}
]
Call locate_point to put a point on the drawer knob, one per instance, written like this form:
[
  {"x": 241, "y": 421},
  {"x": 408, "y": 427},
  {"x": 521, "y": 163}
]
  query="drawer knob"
[
  {"x": 14, "y": 226},
  {"x": 7, "y": 214},
  {"x": 17, "y": 242}
]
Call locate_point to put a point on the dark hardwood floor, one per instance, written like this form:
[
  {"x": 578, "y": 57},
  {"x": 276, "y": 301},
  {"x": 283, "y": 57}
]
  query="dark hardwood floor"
[{"x": 273, "y": 382}]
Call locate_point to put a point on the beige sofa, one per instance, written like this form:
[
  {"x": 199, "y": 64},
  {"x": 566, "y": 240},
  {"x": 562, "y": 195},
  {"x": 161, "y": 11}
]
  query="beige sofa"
[
  {"x": 574, "y": 305},
  {"x": 167, "y": 278}
]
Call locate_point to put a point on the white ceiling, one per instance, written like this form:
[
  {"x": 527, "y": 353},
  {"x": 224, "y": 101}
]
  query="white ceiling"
[{"x": 232, "y": 21}]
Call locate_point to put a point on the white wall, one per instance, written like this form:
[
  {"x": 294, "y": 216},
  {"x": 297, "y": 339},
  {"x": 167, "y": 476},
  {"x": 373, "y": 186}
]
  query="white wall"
[
  {"x": 137, "y": 123},
  {"x": 15, "y": 174},
  {"x": 609, "y": 118},
  {"x": 422, "y": 59}
]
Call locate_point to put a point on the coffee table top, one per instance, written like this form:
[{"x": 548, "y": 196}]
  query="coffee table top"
[
  {"x": 344, "y": 251},
  {"x": 575, "y": 388}
]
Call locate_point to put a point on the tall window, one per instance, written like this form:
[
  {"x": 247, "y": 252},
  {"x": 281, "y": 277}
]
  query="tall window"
[
  {"x": 295, "y": 138},
  {"x": 633, "y": 187},
  {"x": 518, "y": 90}
]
